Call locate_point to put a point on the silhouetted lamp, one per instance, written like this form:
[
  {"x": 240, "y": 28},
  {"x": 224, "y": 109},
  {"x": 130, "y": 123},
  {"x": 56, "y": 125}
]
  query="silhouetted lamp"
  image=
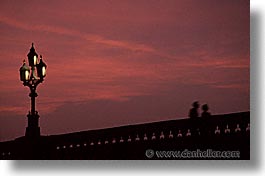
[
  {"x": 41, "y": 68},
  {"x": 32, "y": 56},
  {"x": 30, "y": 79},
  {"x": 24, "y": 72}
]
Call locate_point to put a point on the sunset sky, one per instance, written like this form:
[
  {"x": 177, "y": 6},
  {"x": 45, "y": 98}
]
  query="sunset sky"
[{"x": 113, "y": 63}]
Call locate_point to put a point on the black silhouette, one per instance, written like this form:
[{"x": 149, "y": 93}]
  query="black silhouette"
[
  {"x": 29, "y": 79},
  {"x": 205, "y": 112},
  {"x": 194, "y": 111},
  {"x": 103, "y": 144}
]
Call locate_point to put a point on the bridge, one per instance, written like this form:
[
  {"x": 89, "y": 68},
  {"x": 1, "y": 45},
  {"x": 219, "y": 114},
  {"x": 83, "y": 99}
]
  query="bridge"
[{"x": 225, "y": 136}]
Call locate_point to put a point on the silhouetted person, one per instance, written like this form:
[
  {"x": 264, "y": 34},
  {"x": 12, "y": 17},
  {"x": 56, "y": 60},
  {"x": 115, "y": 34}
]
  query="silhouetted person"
[
  {"x": 194, "y": 120},
  {"x": 204, "y": 124},
  {"x": 194, "y": 111},
  {"x": 205, "y": 112}
]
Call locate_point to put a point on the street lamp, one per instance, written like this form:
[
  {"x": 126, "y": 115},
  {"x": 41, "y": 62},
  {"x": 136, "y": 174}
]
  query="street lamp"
[{"x": 32, "y": 76}]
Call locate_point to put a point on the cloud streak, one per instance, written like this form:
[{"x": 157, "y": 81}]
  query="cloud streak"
[{"x": 64, "y": 31}]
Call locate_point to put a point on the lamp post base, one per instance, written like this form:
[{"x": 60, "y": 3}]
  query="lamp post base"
[
  {"x": 33, "y": 132},
  {"x": 33, "y": 129}
]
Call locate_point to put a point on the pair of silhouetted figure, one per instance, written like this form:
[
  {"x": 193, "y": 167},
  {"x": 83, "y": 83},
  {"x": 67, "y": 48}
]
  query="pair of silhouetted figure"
[{"x": 194, "y": 110}]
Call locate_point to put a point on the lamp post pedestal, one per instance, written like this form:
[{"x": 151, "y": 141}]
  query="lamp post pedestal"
[{"x": 33, "y": 129}]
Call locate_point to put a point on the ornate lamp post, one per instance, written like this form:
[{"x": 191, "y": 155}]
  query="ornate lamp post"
[{"x": 32, "y": 76}]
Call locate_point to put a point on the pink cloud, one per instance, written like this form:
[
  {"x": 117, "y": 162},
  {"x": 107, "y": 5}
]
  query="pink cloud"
[{"x": 64, "y": 31}]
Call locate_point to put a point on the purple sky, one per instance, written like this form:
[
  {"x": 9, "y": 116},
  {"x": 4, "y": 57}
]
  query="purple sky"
[{"x": 113, "y": 63}]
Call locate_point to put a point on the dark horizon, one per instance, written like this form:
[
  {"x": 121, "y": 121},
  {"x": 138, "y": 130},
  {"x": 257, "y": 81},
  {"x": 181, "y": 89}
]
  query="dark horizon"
[
  {"x": 126, "y": 125},
  {"x": 222, "y": 135}
]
